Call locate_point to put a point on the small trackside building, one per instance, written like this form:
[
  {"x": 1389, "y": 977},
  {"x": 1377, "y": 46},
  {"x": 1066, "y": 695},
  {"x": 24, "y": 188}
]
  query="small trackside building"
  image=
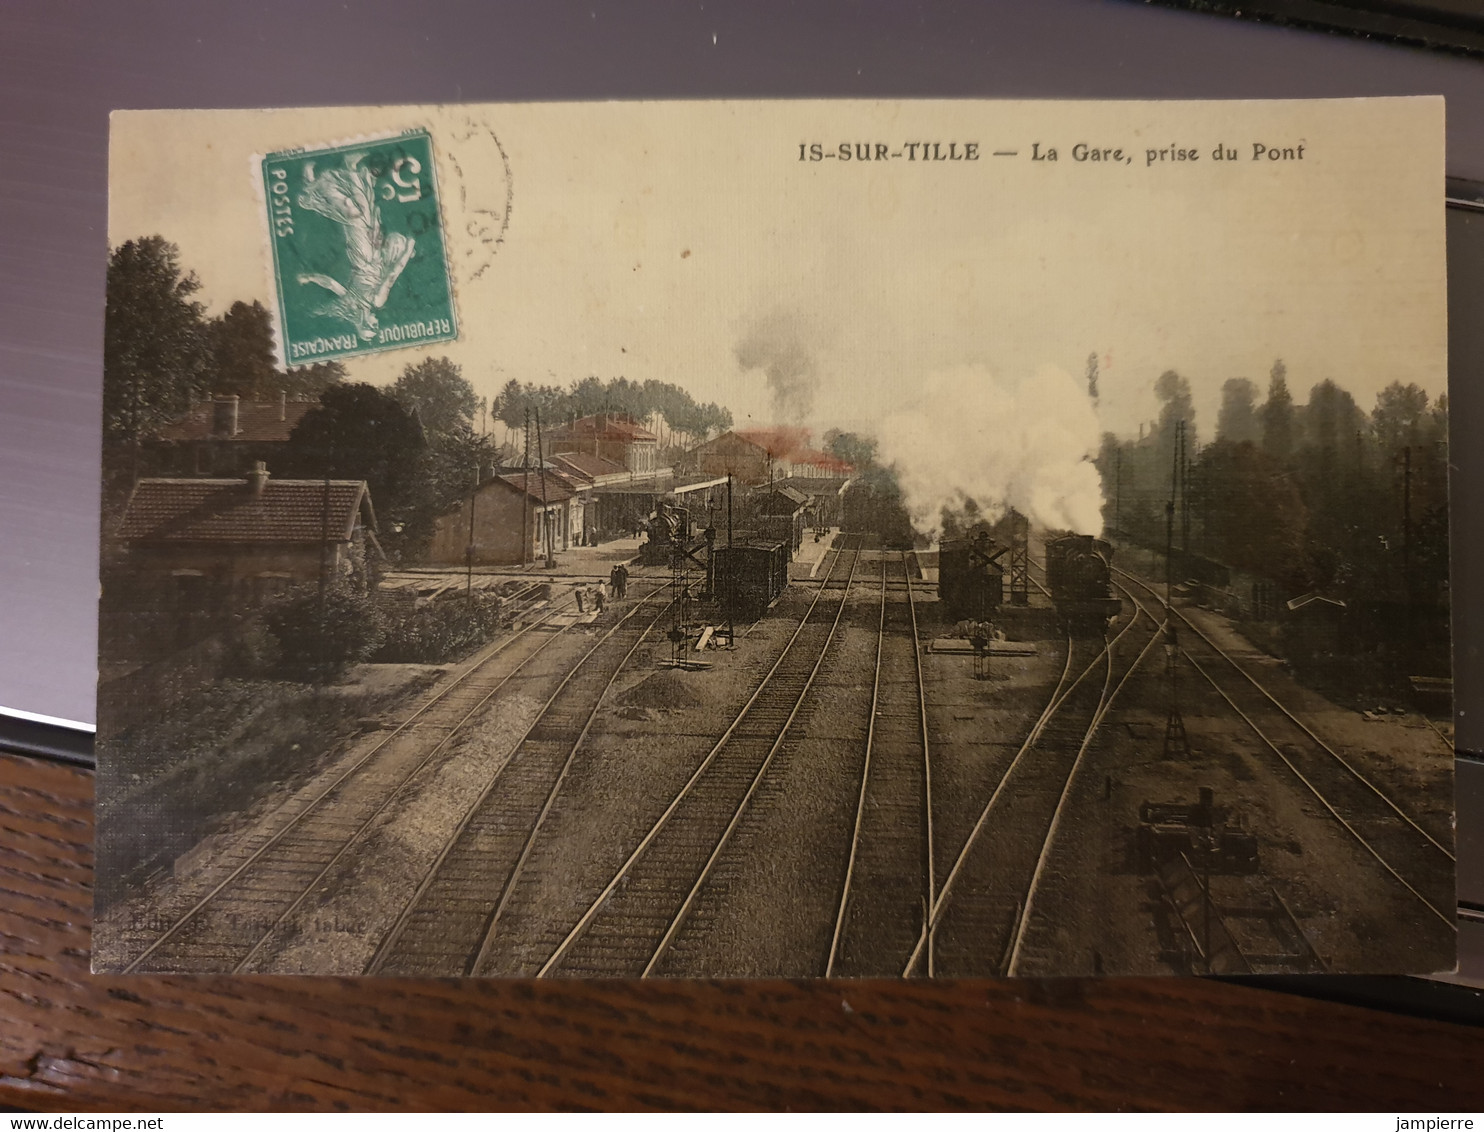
[
  {"x": 513, "y": 518},
  {"x": 193, "y": 555}
]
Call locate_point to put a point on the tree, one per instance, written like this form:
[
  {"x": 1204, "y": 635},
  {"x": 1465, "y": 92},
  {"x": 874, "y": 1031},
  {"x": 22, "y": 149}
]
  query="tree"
[
  {"x": 443, "y": 399},
  {"x": 1237, "y": 421},
  {"x": 856, "y": 450},
  {"x": 360, "y": 432},
  {"x": 307, "y": 383},
  {"x": 1277, "y": 416},
  {"x": 1092, "y": 377},
  {"x": 1174, "y": 391},
  {"x": 242, "y": 350},
  {"x": 1400, "y": 417},
  {"x": 155, "y": 349},
  {"x": 1254, "y": 514}
]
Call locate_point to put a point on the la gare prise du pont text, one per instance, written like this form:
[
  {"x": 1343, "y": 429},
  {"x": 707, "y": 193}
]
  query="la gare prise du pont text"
[{"x": 1080, "y": 152}]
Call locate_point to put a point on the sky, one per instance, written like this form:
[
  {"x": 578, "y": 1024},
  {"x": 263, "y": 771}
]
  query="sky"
[{"x": 688, "y": 242}]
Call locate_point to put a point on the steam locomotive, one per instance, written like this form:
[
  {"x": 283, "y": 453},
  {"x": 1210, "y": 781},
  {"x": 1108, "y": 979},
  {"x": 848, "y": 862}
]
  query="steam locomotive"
[{"x": 1079, "y": 576}]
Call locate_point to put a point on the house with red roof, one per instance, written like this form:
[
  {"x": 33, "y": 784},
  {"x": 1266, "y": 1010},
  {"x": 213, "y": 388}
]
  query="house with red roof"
[
  {"x": 617, "y": 437},
  {"x": 761, "y": 455}
]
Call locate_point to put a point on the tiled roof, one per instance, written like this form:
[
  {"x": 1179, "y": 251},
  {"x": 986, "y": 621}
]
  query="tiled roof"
[
  {"x": 602, "y": 426},
  {"x": 588, "y": 466},
  {"x": 814, "y": 485},
  {"x": 779, "y": 442},
  {"x": 822, "y": 460},
  {"x": 201, "y": 510},
  {"x": 257, "y": 422},
  {"x": 556, "y": 489},
  {"x": 797, "y": 498}
]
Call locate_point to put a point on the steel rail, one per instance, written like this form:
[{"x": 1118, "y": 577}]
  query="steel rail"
[
  {"x": 1314, "y": 790},
  {"x": 1023, "y": 917},
  {"x": 684, "y": 913},
  {"x": 388, "y": 941},
  {"x": 313, "y": 805},
  {"x": 927, "y": 764},
  {"x": 1446, "y": 917},
  {"x": 508, "y": 889},
  {"x": 1357, "y": 775},
  {"x": 860, "y": 806},
  {"x": 580, "y": 928},
  {"x": 945, "y": 893},
  {"x": 396, "y": 793}
]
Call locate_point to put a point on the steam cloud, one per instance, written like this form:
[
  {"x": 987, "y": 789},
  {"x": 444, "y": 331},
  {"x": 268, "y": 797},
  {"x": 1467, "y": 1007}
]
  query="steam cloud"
[
  {"x": 1026, "y": 444},
  {"x": 775, "y": 344}
]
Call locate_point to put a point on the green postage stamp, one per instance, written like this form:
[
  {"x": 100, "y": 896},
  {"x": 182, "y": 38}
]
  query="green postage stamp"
[{"x": 360, "y": 263}]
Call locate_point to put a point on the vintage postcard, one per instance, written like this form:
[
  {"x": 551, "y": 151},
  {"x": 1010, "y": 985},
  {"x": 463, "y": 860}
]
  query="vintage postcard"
[{"x": 776, "y": 539}]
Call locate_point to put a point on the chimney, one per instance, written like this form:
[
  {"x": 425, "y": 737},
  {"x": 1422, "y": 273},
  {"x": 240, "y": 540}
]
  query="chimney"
[
  {"x": 257, "y": 479},
  {"x": 224, "y": 416},
  {"x": 283, "y": 405}
]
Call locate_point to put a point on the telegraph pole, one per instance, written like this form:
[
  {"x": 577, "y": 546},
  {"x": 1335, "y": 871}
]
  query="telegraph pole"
[
  {"x": 731, "y": 573},
  {"x": 469, "y": 550},
  {"x": 1407, "y": 524},
  {"x": 546, "y": 523},
  {"x": 525, "y": 503}
]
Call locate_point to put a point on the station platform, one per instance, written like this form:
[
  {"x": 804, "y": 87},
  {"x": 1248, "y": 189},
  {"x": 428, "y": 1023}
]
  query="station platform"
[{"x": 810, "y": 556}]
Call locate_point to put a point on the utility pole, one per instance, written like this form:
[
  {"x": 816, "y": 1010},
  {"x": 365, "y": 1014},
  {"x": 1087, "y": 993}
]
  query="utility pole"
[
  {"x": 731, "y": 573},
  {"x": 525, "y": 503},
  {"x": 546, "y": 523},
  {"x": 469, "y": 550},
  {"x": 1407, "y": 525},
  {"x": 1184, "y": 494},
  {"x": 1170, "y": 512}
]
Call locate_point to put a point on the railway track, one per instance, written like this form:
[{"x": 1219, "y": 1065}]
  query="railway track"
[
  {"x": 634, "y": 921},
  {"x": 263, "y": 879},
  {"x": 450, "y": 925},
  {"x": 889, "y": 882},
  {"x": 1413, "y": 857},
  {"x": 980, "y": 922}
]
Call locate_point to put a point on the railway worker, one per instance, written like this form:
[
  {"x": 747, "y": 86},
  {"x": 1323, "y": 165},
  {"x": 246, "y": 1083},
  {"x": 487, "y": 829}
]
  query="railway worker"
[
  {"x": 578, "y": 593},
  {"x": 598, "y": 598},
  {"x": 620, "y": 579}
]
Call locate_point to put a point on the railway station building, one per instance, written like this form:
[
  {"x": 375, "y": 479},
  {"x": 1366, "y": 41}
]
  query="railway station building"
[{"x": 616, "y": 437}]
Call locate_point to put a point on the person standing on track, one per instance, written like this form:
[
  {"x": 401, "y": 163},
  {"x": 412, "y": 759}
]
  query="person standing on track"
[{"x": 619, "y": 578}]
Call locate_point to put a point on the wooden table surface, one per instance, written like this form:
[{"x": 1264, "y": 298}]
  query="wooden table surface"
[{"x": 69, "y": 1040}]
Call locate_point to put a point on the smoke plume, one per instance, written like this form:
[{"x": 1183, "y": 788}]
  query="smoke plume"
[
  {"x": 1026, "y": 444},
  {"x": 775, "y": 344}
]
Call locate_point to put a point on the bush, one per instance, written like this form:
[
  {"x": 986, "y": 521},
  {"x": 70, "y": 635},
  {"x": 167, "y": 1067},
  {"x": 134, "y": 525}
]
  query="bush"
[
  {"x": 319, "y": 637},
  {"x": 441, "y": 630},
  {"x": 252, "y": 650}
]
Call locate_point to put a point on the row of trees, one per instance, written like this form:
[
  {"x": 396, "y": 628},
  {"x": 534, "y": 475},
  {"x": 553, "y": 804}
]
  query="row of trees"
[
  {"x": 643, "y": 401},
  {"x": 1316, "y": 496}
]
